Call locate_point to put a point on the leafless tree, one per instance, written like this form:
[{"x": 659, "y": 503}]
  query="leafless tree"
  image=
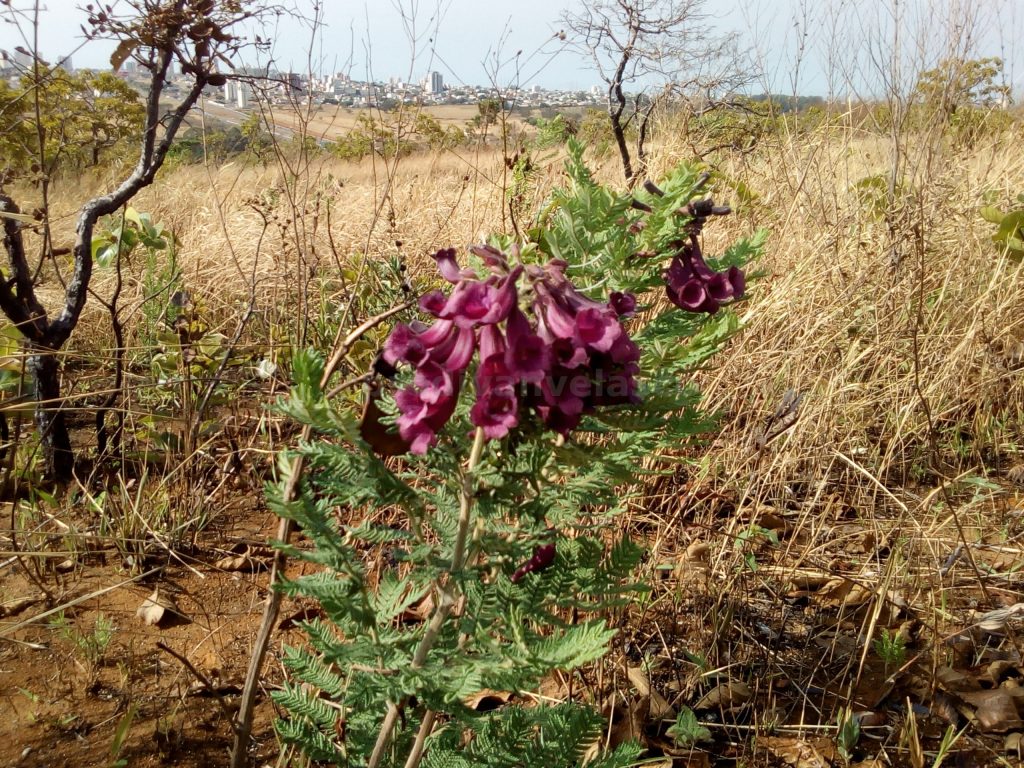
[
  {"x": 650, "y": 53},
  {"x": 196, "y": 36}
]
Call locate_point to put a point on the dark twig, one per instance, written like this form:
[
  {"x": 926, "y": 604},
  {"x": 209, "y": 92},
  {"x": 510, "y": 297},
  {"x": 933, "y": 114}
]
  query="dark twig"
[{"x": 205, "y": 681}]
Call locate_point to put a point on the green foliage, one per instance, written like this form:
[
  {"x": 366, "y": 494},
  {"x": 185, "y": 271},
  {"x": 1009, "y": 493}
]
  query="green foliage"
[
  {"x": 595, "y": 132},
  {"x": 687, "y": 729},
  {"x": 90, "y": 646},
  {"x": 399, "y": 131},
  {"x": 848, "y": 734},
  {"x": 214, "y": 145},
  {"x": 967, "y": 98},
  {"x": 738, "y": 127},
  {"x": 955, "y": 84},
  {"x": 439, "y": 617},
  {"x": 488, "y": 111},
  {"x": 891, "y": 648},
  {"x": 84, "y": 119},
  {"x": 1009, "y": 234}
]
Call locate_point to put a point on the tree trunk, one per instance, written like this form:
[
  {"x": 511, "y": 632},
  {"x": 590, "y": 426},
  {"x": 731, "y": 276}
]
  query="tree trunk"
[
  {"x": 623, "y": 145},
  {"x": 55, "y": 442}
]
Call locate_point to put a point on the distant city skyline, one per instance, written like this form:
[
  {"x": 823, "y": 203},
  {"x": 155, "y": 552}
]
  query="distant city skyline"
[{"x": 470, "y": 44}]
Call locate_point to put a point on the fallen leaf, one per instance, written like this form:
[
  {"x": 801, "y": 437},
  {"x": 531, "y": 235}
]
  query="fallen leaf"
[
  {"x": 996, "y": 710},
  {"x": 870, "y": 719},
  {"x": 798, "y": 752},
  {"x": 729, "y": 695},
  {"x": 17, "y": 605},
  {"x": 996, "y": 621},
  {"x": 865, "y": 543},
  {"x": 487, "y": 700},
  {"x": 953, "y": 680},
  {"x": 809, "y": 581},
  {"x": 242, "y": 562},
  {"x": 628, "y": 721},
  {"x": 1014, "y": 743},
  {"x": 841, "y": 591},
  {"x": 998, "y": 671},
  {"x": 154, "y": 608},
  {"x": 419, "y": 611},
  {"x": 660, "y": 708},
  {"x": 699, "y": 550},
  {"x": 1016, "y": 474}
]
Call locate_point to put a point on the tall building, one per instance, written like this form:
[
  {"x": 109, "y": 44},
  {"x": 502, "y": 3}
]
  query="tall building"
[
  {"x": 64, "y": 62},
  {"x": 436, "y": 82}
]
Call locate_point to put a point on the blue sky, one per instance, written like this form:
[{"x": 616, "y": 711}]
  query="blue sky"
[{"x": 469, "y": 41}]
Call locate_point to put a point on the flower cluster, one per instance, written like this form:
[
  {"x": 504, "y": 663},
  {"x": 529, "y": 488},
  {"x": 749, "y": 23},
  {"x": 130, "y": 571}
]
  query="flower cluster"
[
  {"x": 694, "y": 286},
  {"x": 690, "y": 283},
  {"x": 541, "y": 345}
]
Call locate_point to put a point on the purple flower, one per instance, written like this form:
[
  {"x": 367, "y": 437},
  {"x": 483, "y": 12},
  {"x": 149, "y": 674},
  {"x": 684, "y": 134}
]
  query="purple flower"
[
  {"x": 623, "y": 304},
  {"x": 474, "y": 303},
  {"x": 433, "y": 383},
  {"x": 433, "y": 303},
  {"x": 562, "y": 357},
  {"x": 527, "y": 355},
  {"x": 404, "y": 345},
  {"x": 597, "y": 329},
  {"x": 420, "y": 421},
  {"x": 449, "y": 268},
  {"x": 496, "y": 410},
  {"x": 542, "y": 558},
  {"x": 692, "y": 285}
]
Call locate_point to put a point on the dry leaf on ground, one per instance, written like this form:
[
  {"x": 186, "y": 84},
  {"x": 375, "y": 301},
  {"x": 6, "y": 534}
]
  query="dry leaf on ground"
[
  {"x": 996, "y": 621},
  {"x": 997, "y": 710},
  {"x": 800, "y": 753},
  {"x": 154, "y": 608},
  {"x": 729, "y": 695},
  {"x": 242, "y": 562},
  {"x": 660, "y": 708},
  {"x": 487, "y": 700},
  {"x": 17, "y": 605}
]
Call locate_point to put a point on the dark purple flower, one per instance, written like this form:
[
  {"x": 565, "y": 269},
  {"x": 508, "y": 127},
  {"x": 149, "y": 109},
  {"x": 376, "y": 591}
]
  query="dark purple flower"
[
  {"x": 433, "y": 383},
  {"x": 527, "y": 355},
  {"x": 692, "y": 285},
  {"x": 481, "y": 303},
  {"x": 567, "y": 353},
  {"x": 739, "y": 282},
  {"x": 404, "y": 345},
  {"x": 597, "y": 329},
  {"x": 491, "y": 256},
  {"x": 496, "y": 410},
  {"x": 623, "y": 304},
  {"x": 420, "y": 421},
  {"x": 433, "y": 303},
  {"x": 449, "y": 268},
  {"x": 457, "y": 356},
  {"x": 542, "y": 558}
]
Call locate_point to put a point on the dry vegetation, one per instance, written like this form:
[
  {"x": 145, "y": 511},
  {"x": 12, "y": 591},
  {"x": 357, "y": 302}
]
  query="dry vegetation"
[{"x": 784, "y": 551}]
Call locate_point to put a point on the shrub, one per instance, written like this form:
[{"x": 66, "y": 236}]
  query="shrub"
[{"x": 498, "y": 536}]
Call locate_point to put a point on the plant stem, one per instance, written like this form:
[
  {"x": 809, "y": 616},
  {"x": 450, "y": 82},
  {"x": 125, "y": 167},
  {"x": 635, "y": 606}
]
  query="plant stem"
[
  {"x": 445, "y": 603},
  {"x": 272, "y": 607}
]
